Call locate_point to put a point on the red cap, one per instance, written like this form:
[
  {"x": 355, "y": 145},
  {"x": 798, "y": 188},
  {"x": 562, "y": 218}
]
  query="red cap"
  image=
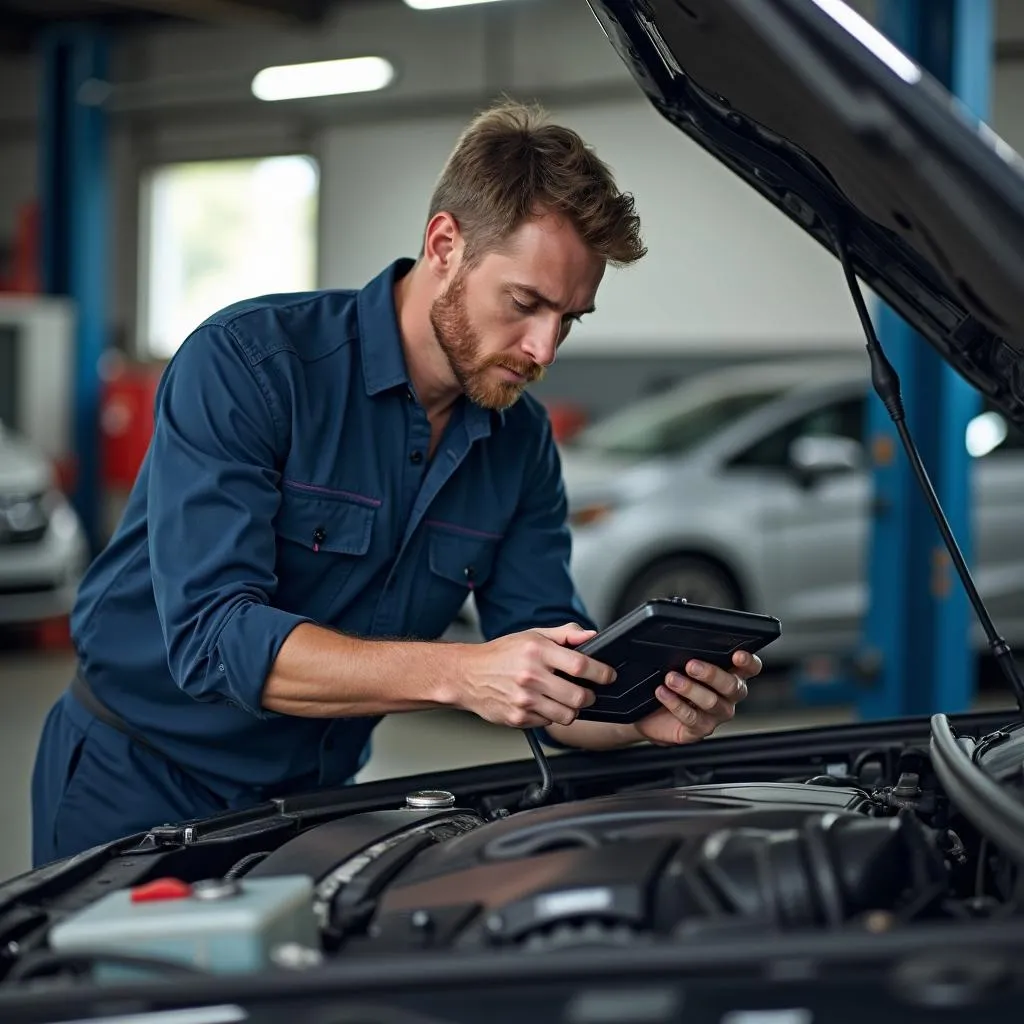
[{"x": 161, "y": 889}]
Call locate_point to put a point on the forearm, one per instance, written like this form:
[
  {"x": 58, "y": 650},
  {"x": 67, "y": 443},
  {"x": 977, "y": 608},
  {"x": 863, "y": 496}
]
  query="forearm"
[
  {"x": 319, "y": 673},
  {"x": 595, "y": 735}
]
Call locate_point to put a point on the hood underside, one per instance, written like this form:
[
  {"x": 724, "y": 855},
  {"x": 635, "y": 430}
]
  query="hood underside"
[{"x": 861, "y": 149}]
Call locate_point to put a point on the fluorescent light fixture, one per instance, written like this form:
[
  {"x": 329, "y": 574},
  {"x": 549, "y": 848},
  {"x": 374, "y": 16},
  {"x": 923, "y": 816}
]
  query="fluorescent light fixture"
[
  {"x": 436, "y": 5},
  {"x": 323, "y": 78},
  {"x": 869, "y": 36}
]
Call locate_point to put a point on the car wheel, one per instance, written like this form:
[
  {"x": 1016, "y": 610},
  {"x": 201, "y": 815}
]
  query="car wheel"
[{"x": 699, "y": 580}]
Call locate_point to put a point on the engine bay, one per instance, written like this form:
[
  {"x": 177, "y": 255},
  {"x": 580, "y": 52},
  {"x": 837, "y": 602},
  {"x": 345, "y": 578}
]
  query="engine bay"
[
  {"x": 833, "y": 833},
  {"x": 631, "y": 868}
]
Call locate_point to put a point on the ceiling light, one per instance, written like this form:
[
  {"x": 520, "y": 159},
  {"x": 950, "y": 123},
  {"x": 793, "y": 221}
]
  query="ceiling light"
[
  {"x": 323, "y": 78},
  {"x": 436, "y": 5}
]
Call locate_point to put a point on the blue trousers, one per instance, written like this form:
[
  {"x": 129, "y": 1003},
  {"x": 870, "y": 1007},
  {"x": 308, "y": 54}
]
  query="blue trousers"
[{"x": 91, "y": 785}]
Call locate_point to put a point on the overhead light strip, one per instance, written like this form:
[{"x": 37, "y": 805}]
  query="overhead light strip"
[
  {"x": 436, "y": 5},
  {"x": 323, "y": 78}
]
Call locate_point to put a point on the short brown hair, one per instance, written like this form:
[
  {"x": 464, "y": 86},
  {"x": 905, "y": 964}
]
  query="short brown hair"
[{"x": 510, "y": 164}]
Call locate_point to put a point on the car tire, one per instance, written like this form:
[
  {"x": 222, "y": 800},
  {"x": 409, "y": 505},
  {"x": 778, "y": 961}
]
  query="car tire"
[{"x": 694, "y": 577}]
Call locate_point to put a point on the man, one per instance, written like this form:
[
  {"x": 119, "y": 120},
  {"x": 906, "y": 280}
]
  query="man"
[{"x": 330, "y": 475}]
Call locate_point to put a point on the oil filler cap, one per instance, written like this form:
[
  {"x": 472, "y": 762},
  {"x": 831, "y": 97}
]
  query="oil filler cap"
[
  {"x": 430, "y": 799},
  {"x": 161, "y": 889}
]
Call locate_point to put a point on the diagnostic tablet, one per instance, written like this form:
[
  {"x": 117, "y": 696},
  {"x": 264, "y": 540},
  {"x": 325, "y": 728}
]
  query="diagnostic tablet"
[{"x": 660, "y": 636}]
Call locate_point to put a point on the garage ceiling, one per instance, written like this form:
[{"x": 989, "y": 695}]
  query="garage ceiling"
[{"x": 22, "y": 20}]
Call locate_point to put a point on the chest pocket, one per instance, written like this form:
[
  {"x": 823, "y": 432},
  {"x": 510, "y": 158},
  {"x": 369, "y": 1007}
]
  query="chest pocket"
[
  {"x": 459, "y": 563},
  {"x": 321, "y": 540}
]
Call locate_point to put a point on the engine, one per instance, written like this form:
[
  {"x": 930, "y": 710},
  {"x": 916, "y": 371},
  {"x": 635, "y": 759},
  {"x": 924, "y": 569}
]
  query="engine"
[
  {"x": 668, "y": 863},
  {"x": 623, "y": 858}
]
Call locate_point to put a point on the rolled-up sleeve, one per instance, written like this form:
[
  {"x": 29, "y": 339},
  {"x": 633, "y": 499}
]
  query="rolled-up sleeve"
[
  {"x": 531, "y": 585},
  {"x": 212, "y": 499}
]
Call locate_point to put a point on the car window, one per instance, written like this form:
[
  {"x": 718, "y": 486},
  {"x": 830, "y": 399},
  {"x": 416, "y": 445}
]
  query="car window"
[
  {"x": 659, "y": 427},
  {"x": 837, "y": 419},
  {"x": 990, "y": 433}
]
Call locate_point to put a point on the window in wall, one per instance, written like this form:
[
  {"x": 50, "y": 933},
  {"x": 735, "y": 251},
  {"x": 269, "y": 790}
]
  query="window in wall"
[{"x": 220, "y": 231}]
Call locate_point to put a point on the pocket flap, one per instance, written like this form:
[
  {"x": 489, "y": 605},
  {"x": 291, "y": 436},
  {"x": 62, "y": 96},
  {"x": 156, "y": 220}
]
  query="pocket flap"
[
  {"x": 326, "y": 524},
  {"x": 462, "y": 558}
]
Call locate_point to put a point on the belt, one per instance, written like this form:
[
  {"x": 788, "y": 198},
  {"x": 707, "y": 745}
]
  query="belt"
[{"x": 83, "y": 693}]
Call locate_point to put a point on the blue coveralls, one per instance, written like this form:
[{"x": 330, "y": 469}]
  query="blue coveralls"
[{"x": 287, "y": 481}]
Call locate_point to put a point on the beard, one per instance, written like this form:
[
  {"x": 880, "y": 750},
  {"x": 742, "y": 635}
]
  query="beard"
[{"x": 462, "y": 346}]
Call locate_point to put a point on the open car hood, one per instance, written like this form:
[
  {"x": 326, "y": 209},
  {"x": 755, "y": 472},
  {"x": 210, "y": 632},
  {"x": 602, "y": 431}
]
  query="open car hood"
[{"x": 854, "y": 142}]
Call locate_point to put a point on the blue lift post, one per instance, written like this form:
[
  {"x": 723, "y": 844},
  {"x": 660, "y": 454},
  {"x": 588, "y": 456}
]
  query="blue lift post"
[
  {"x": 74, "y": 168},
  {"x": 919, "y": 619}
]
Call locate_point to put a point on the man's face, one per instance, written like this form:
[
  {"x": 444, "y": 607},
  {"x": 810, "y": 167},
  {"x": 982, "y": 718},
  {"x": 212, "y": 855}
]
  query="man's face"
[{"x": 501, "y": 322}]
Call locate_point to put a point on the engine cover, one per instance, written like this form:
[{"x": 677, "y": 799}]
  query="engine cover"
[{"x": 621, "y": 868}]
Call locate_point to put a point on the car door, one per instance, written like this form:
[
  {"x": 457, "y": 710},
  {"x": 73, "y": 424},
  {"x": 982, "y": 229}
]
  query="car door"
[{"x": 813, "y": 526}]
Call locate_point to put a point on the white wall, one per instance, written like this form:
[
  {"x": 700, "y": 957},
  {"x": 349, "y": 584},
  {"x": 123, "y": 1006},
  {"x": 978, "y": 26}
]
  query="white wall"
[{"x": 724, "y": 268}]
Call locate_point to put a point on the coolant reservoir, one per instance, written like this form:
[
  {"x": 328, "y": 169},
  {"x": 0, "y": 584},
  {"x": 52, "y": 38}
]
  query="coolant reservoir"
[{"x": 223, "y": 926}]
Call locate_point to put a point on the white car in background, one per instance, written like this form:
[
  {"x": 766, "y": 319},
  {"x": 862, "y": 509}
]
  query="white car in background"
[
  {"x": 748, "y": 488},
  {"x": 43, "y": 548}
]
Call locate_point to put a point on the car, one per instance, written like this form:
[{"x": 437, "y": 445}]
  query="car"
[
  {"x": 749, "y": 488},
  {"x": 870, "y": 870},
  {"x": 43, "y": 547}
]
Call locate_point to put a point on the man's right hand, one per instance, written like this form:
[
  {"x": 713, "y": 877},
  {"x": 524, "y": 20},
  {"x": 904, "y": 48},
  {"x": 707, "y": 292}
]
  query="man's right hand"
[{"x": 511, "y": 681}]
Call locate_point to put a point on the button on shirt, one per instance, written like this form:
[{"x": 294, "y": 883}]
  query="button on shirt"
[{"x": 287, "y": 481}]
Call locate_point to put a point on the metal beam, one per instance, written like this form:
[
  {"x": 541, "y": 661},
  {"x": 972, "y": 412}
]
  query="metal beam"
[
  {"x": 75, "y": 176},
  {"x": 919, "y": 620}
]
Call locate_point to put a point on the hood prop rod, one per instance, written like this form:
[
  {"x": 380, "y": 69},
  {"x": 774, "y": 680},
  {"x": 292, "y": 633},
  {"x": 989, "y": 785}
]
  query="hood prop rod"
[{"x": 886, "y": 383}]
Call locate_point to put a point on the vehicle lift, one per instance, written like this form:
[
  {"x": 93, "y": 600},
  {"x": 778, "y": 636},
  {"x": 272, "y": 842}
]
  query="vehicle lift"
[
  {"x": 74, "y": 192},
  {"x": 914, "y": 657}
]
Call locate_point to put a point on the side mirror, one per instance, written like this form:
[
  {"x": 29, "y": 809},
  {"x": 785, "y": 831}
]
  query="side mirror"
[{"x": 815, "y": 457}]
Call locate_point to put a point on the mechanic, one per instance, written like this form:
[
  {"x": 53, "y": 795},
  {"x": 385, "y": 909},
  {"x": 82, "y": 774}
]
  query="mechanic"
[{"x": 330, "y": 475}]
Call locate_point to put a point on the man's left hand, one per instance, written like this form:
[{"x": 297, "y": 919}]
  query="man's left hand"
[{"x": 695, "y": 704}]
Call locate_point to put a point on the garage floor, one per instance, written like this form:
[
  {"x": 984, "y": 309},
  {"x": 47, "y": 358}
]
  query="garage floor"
[{"x": 403, "y": 744}]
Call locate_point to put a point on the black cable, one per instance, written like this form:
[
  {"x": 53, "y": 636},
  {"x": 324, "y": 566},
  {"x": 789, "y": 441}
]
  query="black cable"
[
  {"x": 538, "y": 793},
  {"x": 236, "y": 870},
  {"x": 886, "y": 383},
  {"x": 35, "y": 963}
]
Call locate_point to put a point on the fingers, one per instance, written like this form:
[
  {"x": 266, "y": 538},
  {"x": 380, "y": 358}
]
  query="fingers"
[
  {"x": 703, "y": 698},
  {"x": 710, "y": 690},
  {"x": 538, "y": 690},
  {"x": 579, "y": 666},
  {"x": 695, "y": 722},
  {"x": 571, "y": 633},
  {"x": 529, "y": 720},
  {"x": 536, "y": 706},
  {"x": 731, "y": 686},
  {"x": 555, "y": 711},
  {"x": 747, "y": 665},
  {"x": 551, "y": 698}
]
